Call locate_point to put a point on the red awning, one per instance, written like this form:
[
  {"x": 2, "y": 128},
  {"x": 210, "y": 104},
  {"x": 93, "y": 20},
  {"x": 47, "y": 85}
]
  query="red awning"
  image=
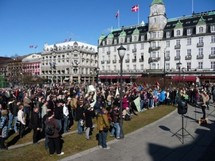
[{"x": 184, "y": 78}]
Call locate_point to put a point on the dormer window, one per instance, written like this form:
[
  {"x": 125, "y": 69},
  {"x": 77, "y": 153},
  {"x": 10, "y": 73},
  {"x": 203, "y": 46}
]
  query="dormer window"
[
  {"x": 168, "y": 35},
  {"x": 178, "y": 32},
  {"x": 201, "y": 29},
  {"x": 189, "y": 31}
]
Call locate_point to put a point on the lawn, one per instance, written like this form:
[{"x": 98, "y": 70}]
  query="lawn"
[{"x": 74, "y": 143}]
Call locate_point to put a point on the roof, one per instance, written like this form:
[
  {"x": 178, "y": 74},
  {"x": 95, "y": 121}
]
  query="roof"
[{"x": 157, "y": 2}]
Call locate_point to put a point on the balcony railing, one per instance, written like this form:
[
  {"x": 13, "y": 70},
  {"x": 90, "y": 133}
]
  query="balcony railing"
[
  {"x": 200, "y": 56},
  {"x": 188, "y": 57},
  {"x": 108, "y": 52},
  {"x": 177, "y": 46},
  {"x": 212, "y": 56},
  {"x": 108, "y": 62},
  {"x": 114, "y": 61},
  {"x": 177, "y": 58},
  {"x": 102, "y": 62},
  {"x": 167, "y": 58},
  {"x": 127, "y": 60},
  {"x": 134, "y": 60},
  {"x": 141, "y": 60},
  {"x": 154, "y": 48},
  {"x": 200, "y": 44},
  {"x": 152, "y": 59}
]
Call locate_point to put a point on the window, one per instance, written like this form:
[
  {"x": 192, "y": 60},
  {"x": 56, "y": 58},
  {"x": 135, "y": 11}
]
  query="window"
[
  {"x": 115, "y": 41},
  {"x": 115, "y": 49},
  {"x": 188, "y": 65},
  {"x": 213, "y": 51},
  {"x": 201, "y": 29},
  {"x": 168, "y": 34},
  {"x": 177, "y": 42},
  {"x": 167, "y": 66},
  {"x": 153, "y": 54},
  {"x": 200, "y": 65},
  {"x": 189, "y": 31},
  {"x": 153, "y": 66},
  {"x": 114, "y": 67},
  {"x": 177, "y": 53},
  {"x": 142, "y": 38},
  {"x": 127, "y": 67},
  {"x": 212, "y": 28},
  {"x": 188, "y": 52},
  {"x": 167, "y": 54},
  {"x": 167, "y": 43},
  {"x": 200, "y": 51},
  {"x": 142, "y": 46},
  {"x": 128, "y": 39},
  {"x": 142, "y": 56},
  {"x": 213, "y": 65},
  {"x": 153, "y": 44},
  {"x": 213, "y": 39},
  {"x": 178, "y": 32},
  {"x": 141, "y": 66},
  {"x": 121, "y": 40},
  {"x": 135, "y": 67},
  {"x": 103, "y": 50},
  {"x": 135, "y": 38},
  {"x": 200, "y": 39},
  {"x": 189, "y": 41}
]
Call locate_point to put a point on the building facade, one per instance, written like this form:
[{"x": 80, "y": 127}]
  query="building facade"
[
  {"x": 69, "y": 61},
  {"x": 31, "y": 65},
  {"x": 155, "y": 48}
]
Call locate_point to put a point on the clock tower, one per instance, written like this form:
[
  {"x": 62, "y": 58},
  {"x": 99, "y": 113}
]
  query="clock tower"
[{"x": 157, "y": 18}]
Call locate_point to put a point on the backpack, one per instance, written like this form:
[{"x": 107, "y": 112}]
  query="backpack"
[{"x": 50, "y": 129}]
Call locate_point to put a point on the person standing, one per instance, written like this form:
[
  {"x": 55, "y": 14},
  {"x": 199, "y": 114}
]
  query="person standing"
[
  {"x": 115, "y": 120},
  {"x": 21, "y": 119},
  {"x": 3, "y": 128},
  {"x": 35, "y": 124},
  {"x": 89, "y": 115},
  {"x": 80, "y": 115},
  {"x": 103, "y": 127},
  {"x": 53, "y": 134}
]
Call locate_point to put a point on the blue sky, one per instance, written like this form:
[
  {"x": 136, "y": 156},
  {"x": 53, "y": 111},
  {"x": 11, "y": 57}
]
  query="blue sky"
[{"x": 36, "y": 22}]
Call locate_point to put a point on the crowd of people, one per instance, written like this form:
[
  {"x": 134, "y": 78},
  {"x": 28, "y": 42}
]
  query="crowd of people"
[{"x": 51, "y": 111}]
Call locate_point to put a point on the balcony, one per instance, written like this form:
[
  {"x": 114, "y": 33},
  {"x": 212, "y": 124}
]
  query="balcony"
[
  {"x": 167, "y": 58},
  {"x": 188, "y": 57},
  {"x": 212, "y": 56},
  {"x": 102, "y": 62},
  {"x": 134, "y": 60},
  {"x": 113, "y": 61},
  {"x": 134, "y": 50},
  {"x": 141, "y": 60},
  {"x": 154, "y": 48},
  {"x": 178, "y": 46},
  {"x": 108, "y": 52},
  {"x": 152, "y": 59},
  {"x": 200, "y": 44},
  {"x": 200, "y": 56},
  {"x": 108, "y": 61},
  {"x": 127, "y": 60},
  {"x": 177, "y": 58}
]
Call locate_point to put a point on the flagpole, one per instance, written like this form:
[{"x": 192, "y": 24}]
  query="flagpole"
[
  {"x": 192, "y": 6},
  {"x": 118, "y": 18},
  {"x": 138, "y": 15}
]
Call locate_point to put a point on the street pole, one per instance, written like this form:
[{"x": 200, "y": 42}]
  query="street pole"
[{"x": 121, "y": 52}]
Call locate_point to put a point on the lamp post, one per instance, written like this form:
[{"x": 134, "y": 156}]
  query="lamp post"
[
  {"x": 97, "y": 75},
  {"x": 121, "y": 52}
]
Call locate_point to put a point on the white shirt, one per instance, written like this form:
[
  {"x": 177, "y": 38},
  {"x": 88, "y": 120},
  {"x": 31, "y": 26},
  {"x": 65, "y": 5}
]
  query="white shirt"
[
  {"x": 20, "y": 117},
  {"x": 65, "y": 110}
]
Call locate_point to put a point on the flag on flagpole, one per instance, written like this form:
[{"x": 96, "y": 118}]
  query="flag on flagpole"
[
  {"x": 137, "y": 103},
  {"x": 117, "y": 14},
  {"x": 135, "y": 8},
  {"x": 31, "y": 46}
]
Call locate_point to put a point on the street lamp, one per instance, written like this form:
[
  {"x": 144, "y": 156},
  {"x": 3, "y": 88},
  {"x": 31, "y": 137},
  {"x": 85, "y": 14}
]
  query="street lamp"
[{"x": 121, "y": 52}]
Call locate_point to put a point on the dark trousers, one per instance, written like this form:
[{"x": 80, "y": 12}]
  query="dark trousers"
[
  {"x": 2, "y": 145},
  {"x": 36, "y": 134},
  {"x": 21, "y": 130},
  {"x": 203, "y": 111},
  {"x": 54, "y": 145}
]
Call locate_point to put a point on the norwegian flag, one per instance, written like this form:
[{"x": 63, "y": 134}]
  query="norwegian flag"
[
  {"x": 135, "y": 8},
  {"x": 31, "y": 46},
  {"x": 117, "y": 14}
]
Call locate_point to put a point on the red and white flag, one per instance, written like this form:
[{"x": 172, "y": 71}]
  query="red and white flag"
[
  {"x": 135, "y": 8},
  {"x": 117, "y": 14}
]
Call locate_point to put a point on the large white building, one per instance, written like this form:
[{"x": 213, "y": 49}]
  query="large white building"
[
  {"x": 69, "y": 61},
  {"x": 156, "y": 47}
]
